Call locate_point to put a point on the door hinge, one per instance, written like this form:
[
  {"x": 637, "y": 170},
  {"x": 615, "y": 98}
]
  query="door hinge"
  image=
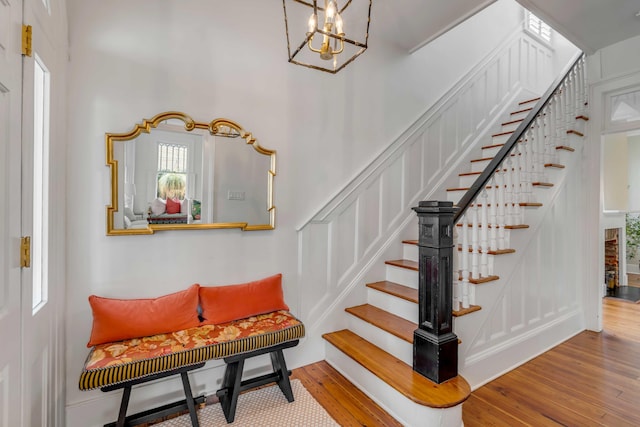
[
  {"x": 26, "y": 40},
  {"x": 25, "y": 252}
]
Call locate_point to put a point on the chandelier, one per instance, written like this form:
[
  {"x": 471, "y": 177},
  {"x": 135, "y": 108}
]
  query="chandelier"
[{"x": 331, "y": 35}]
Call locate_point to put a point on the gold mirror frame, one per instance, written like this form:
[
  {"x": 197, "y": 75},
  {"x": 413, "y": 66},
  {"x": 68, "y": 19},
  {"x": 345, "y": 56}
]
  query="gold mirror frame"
[{"x": 217, "y": 127}]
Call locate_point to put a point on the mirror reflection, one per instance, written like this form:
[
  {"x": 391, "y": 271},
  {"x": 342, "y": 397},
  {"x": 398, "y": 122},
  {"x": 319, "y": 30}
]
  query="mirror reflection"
[{"x": 171, "y": 172}]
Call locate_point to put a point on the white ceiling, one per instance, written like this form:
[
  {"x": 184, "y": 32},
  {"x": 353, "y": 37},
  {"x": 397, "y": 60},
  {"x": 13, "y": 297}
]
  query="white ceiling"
[
  {"x": 589, "y": 24},
  {"x": 410, "y": 24}
]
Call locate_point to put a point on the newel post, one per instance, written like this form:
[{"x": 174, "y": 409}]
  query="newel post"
[{"x": 435, "y": 346}]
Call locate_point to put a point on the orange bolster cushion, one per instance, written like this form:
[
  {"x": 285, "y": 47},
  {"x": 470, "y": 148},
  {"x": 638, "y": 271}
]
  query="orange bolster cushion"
[
  {"x": 121, "y": 319},
  {"x": 222, "y": 304}
]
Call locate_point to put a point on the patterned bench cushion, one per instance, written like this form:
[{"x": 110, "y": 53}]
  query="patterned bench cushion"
[{"x": 117, "y": 362}]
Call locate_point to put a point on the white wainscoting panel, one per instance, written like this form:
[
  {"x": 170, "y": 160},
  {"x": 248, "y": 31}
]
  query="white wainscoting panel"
[{"x": 534, "y": 305}]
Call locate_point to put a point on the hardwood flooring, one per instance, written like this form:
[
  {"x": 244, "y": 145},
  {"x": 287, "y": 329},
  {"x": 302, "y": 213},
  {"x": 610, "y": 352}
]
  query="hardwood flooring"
[
  {"x": 340, "y": 398},
  {"x": 592, "y": 379}
]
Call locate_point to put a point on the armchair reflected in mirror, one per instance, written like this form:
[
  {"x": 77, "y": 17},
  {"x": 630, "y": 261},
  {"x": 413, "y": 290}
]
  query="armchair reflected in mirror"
[{"x": 172, "y": 173}]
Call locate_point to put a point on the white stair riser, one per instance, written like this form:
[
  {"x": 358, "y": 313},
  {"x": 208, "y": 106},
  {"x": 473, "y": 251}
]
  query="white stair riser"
[
  {"x": 500, "y": 139},
  {"x": 455, "y": 196},
  {"x": 403, "y": 276},
  {"x": 389, "y": 343},
  {"x": 398, "y": 306},
  {"x": 490, "y": 152},
  {"x": 479, "y": 166},
  {"x": 519, "y": 116},
  {"x": 410, "y": 251},
  {"x": 467, "y": 180},
  {"x": 510, "y": 127},
  {"x": 404, "y": 410}
]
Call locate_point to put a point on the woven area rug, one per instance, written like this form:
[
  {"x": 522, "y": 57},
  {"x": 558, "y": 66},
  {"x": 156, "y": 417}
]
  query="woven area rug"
[{"x": 265, "y": 407}]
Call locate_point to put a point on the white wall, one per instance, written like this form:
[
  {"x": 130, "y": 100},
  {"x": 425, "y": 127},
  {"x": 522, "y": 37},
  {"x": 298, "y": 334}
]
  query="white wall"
[
  {"x": 132, "y": 60},
  {"x": 615, "y": 156},
  {"x": 634, "y": 172}
]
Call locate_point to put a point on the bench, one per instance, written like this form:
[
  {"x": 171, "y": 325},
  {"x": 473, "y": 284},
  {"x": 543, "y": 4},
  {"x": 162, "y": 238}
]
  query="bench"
[{"x": 125, "y": 363}]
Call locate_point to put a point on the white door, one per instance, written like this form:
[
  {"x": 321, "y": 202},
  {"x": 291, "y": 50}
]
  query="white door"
[
  {"x": 40, "y": 119},
  {"x": 10, "y": 143}
]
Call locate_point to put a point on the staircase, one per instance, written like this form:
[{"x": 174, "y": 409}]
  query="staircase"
[{"x": 376, "y": 350}]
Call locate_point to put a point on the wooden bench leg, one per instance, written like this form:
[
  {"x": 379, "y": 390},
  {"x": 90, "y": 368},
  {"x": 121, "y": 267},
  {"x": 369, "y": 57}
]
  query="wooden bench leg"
[
  {"x": 232, "y": 386},
  {"x": 280, "y": 368},
  {"x": 124, "y": 403},
  {"x": 189, "y": 397},
  {"x": 162, "y": 411}
]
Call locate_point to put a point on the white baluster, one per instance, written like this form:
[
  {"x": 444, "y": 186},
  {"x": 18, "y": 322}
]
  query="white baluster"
[
  {"x": 547, "y": 141},
  {"x": 465, "y": 262},
  {"x": 525, "y": 175},
  {"x": 493, "y": 214},
  {"x": 456, "y": 303},
  {"x": 508, "y": 192},
  {"x": 475, "y": 244},
  {"x": 517, "y": 191},
  {"x": 557, "y": 125},
  {"x": 484, "y": 234},
  {"x": 569, "y": 109},
  {"x": 501, "y": 207},
  {"x": 539, "y": 157}
]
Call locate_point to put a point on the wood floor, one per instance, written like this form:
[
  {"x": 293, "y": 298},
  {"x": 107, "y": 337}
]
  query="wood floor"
[{"x": 591, "y": 380}]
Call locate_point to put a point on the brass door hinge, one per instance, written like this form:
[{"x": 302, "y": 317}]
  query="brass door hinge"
[
  {"x": 26, "y": 40},
  {"x": 25, "y": 252}
]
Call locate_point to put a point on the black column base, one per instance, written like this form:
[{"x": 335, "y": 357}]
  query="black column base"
[{"x": 435, "y": 357}]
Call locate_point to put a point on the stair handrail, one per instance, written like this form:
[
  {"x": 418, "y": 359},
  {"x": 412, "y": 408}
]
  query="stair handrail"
[{"x": 479, "y": 184}]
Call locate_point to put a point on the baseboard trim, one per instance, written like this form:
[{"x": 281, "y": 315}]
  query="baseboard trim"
[{"x": 487, "y": 365}]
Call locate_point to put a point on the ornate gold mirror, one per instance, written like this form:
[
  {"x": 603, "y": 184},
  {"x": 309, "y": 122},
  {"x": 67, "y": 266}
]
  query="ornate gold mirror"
[{"x": 173, "y": 173}]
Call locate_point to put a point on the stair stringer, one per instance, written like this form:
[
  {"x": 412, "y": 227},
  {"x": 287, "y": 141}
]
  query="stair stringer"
[{"x": 519, "y": 318}]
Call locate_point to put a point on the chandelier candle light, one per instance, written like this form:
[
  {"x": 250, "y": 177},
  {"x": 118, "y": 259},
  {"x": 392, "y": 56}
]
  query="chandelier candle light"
[{"x": 325, "y": 45}]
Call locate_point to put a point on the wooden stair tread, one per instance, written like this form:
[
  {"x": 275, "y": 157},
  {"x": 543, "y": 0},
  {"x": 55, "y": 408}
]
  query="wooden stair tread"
[
  {"x": 464, "y": 311},
  {"x": 396, "y": 289},
  {"x": 531, "y": 204},
  {"x": 564, "y": 147},
  {"x": 469, "y": 173},
  {"x": 529, "y": 101},
  {"x": 488, "y": 187},
  {"x": 542, "y": 184},
  {"x": 398, "y": 374},
  {"x": 480, "y": 280},
  {"x": 582, "y": 117},
  {"x": 482, "y": 159},
  {"x": 388, "y": 322},
  {"x": 506, "y": 227},
  {"x": 410, "y": 242},
  {"x": 403, "y": 263},
  {"x": 502, "y": 133},
  {"x": 524, "y": 110},
  {"x": 512, "y": 122},
  {"x": 486, "y": 147},
  {"x": 496, "y": 252},
  {"x": 554, "y": 165},
  {"x": 575, "y": 132}
]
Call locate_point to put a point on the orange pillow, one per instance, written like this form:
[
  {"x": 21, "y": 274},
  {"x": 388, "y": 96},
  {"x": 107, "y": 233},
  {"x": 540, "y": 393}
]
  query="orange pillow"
[
  {"x": 173, "y": 206},
  {"x": 120, "y": 319},
  {"x": 232, "y": 302}
]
